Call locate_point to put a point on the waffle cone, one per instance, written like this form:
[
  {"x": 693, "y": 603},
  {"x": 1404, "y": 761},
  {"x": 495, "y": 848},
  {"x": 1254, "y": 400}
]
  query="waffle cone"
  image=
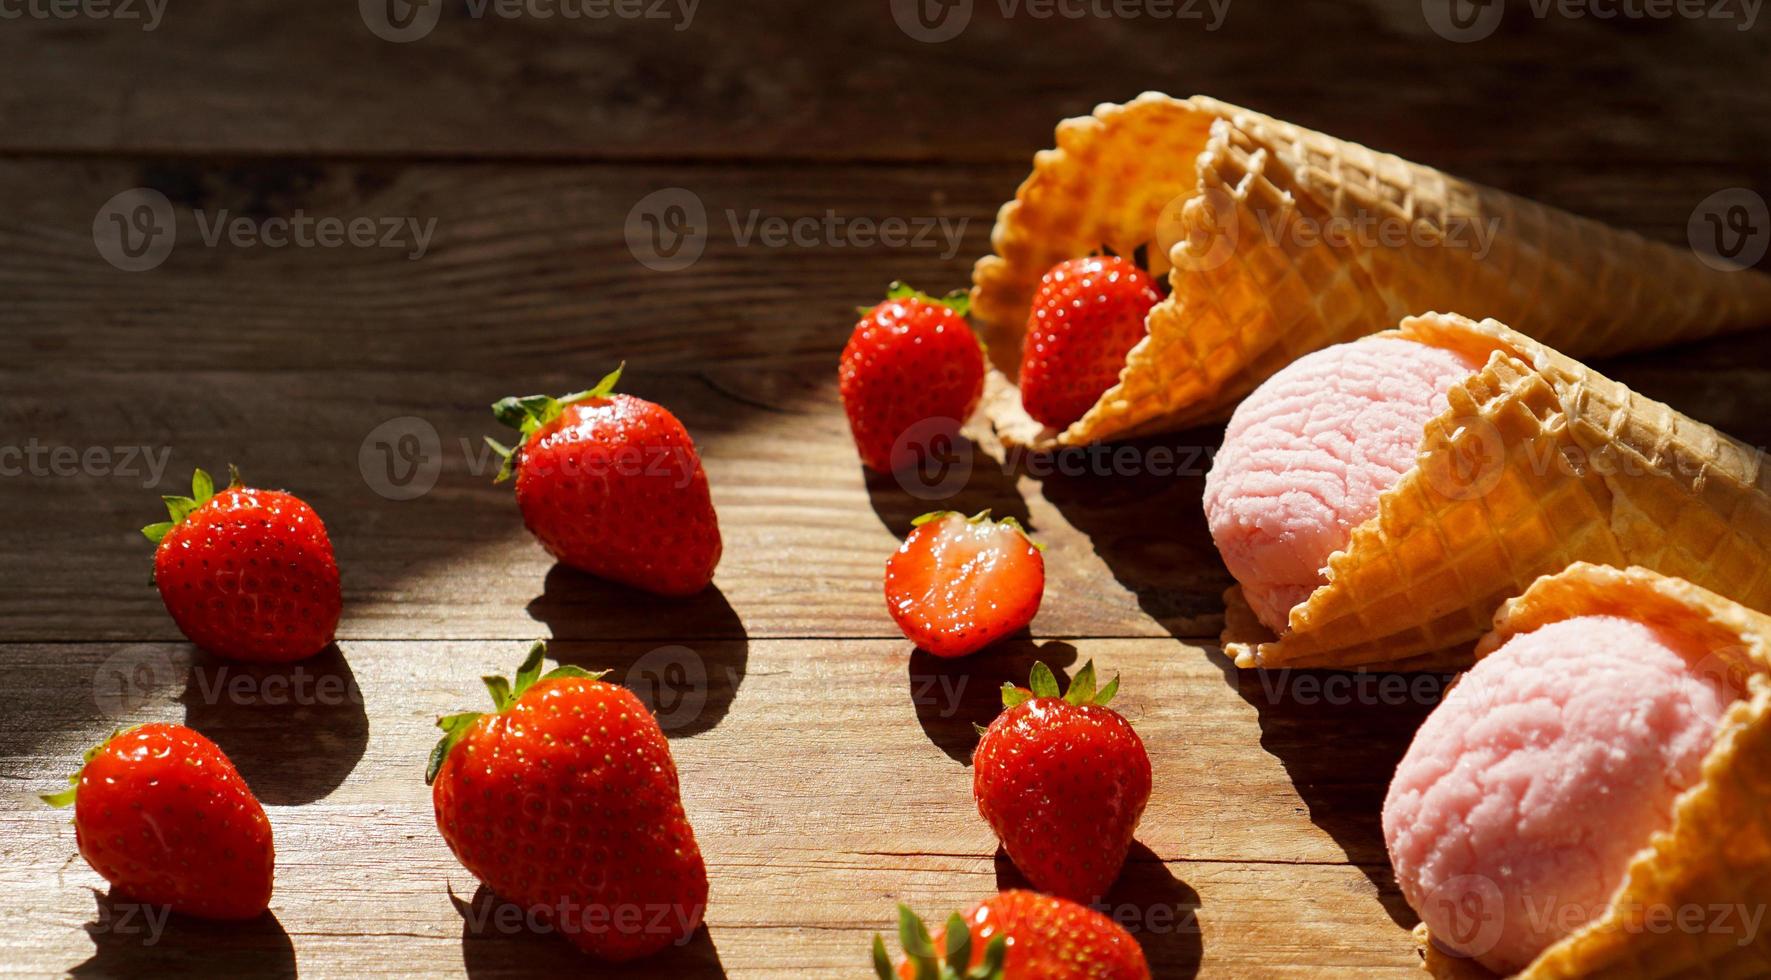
[
  {"x": 1538, "y": 463},
  {"x": 1716, "y": 855},
  {"x": 1279, "y": 241}
]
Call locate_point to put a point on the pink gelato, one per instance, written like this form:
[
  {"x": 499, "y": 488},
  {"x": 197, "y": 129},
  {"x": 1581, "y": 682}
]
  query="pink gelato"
[
  {"x": 1513, "y": 816},
  {"x": 1307, "y": 454}
]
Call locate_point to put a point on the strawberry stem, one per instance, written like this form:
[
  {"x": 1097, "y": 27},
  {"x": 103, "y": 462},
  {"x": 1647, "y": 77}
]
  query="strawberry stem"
[
  {"x": 1044, "y": 684},
  {"x": 179, "y": 508},
  {"x": 528, "y": 413},
  {"x": 504, "y": 694}
]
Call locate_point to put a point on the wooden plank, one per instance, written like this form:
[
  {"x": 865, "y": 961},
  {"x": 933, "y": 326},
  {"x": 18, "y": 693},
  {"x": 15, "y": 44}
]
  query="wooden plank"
[
  {"x": 815, "y": 80},
  {"x": 821, "y": 777},
  {"x": 522, "y": 271}
]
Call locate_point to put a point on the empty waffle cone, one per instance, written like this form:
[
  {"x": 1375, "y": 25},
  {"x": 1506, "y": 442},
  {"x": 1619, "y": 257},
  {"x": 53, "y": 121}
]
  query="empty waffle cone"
[
  {"x": 1539, "y": 462},
  {"x": 1279, "y": 241},
  {"x": 1693, "y": 901}
]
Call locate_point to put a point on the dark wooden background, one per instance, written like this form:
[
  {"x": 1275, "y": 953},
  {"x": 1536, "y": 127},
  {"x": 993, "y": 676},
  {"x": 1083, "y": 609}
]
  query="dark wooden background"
[{"x": 824, "y": 765}]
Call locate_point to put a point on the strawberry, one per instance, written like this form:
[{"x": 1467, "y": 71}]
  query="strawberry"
[
  {"x": 958, "y": 584},
  {"x": 1087, "y": 315},
  {"x": 911, "y": 375},
  {"x": 247, "y": 573},
  {"x": 564, "y": 801},
  {"x": 164, "y": 817},
  {"x": 1063, "y": 781},
  {"x": 1016, "y": 935},
  {"x": 612, "y": 485}
]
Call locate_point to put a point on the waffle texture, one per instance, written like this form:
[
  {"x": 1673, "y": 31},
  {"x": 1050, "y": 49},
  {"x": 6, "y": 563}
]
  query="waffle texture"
[
  {"x": 1716, "y": 857},
  {"x": 1279, "y": 241},
  {"x": 1539, "y": 462}
]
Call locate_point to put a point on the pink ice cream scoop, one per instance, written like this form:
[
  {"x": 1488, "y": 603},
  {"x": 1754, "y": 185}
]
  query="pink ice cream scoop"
[
  {"x": 1515, "y": 813},
  {"x": 1307, "y": 454}
]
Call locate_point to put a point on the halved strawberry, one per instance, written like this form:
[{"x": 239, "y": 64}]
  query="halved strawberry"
[{"x": 958, "y": 584}]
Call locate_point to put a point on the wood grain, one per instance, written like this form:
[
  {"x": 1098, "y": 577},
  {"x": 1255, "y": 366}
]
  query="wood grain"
[{"x": 1261, "y": 850}]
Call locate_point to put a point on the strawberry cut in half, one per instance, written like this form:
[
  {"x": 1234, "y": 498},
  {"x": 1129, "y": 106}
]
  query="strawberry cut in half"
[
  {"x": 910, "y": 376},
  {"x": 1087, "y": 315},
  {"x": 1063, "y": 781},
  {"x": 612, "y": 485},
  {"x": 162, "y": 814},
  {"x": 1015, "y": 935},
  {"x": 564, "y": 800},
  {"x": 958, "y": 584},
  {"x": 246, "y": 573}
]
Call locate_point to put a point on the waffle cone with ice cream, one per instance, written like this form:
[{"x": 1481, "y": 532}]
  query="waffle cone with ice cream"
[
  {"x": 1278, "y": 241},
  {"x": 1692, "y": 898},
  {"x": 1538, "y": 462}
]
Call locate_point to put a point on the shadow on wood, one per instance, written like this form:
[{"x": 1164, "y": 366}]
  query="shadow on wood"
[
  {"x": 1148, "y": 901},
  {"x": 135, "y": 940},
  {"x": 295, "y": 731},
  {"x": 688, "y": 682},
  {"x": 1339, "y": 735},
  {"x": 499, "y": 940},
  {"x": 1139, "y": 505},
  {"x": 967, "y": 480},
  {"x": 951, "y": 694}
]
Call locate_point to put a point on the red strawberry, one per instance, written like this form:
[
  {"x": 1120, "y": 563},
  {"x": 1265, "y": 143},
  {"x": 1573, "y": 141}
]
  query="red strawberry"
[
  {"x": 612, "y": 485},
  {"x": 1063, "y": 781},
  {"x": 565, "y": 801},
  {"x": 1087, "y": 315},
  {"x": 912, "y": 373},
  {"x": 247, "y": 573},
  {"x": 959, "y": 584},
  {"x": 1016, "y": 935},
  {"x": 164, "y": 817}
]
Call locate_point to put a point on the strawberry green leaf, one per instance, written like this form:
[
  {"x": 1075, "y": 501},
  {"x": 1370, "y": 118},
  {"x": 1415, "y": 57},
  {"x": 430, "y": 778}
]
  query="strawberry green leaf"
[
  {"x": 959, "y": 944},
  {"x": 1011, "y": 522},
  {"x": 67, "y": 796},
  {"x": 932, "y": 516},
  {"x": 1012, "y": 695},
  {"x": 155, "y": 532},
  {"x": 992, "y": 966},
  {"x": 572, "y": 670},
  {"x": 179, "y": 507},
  {"x": 202, "y": 487},
  {"x": 454, "y": 726},
  {"x": 530, "y": 668},
  {"x": 980, "y": 729},
  {"x": 528, "y": 413},
  {"x": 882, "y": 963},
  {"x": 1082, "y": 686},
  {"x": 959, "y": 300},
  {"x": 1042, "y": 682},
  {"x": 506, "y": 454},
  {"x": 499, "y": 687},
  {"x": 234, "y": 477},
  {"x": 1105, "y": 694}
]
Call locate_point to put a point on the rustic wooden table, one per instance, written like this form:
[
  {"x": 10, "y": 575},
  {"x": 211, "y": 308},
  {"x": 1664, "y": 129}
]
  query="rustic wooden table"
[{"x": 824, "y": 764}]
